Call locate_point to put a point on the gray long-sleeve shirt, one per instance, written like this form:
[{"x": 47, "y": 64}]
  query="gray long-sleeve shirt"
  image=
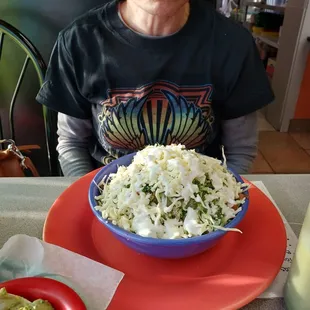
[{"x": 239, "y": 137}]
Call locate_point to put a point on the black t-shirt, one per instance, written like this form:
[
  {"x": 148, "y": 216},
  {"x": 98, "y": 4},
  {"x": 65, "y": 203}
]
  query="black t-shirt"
[{"x": 142, "y": 90}]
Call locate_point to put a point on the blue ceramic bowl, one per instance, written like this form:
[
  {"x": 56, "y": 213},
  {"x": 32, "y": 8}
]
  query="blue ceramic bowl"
[{"x": 162, "y": 248}]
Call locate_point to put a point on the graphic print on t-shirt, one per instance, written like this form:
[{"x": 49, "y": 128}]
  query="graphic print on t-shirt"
[{"x": 160, "y": 112}]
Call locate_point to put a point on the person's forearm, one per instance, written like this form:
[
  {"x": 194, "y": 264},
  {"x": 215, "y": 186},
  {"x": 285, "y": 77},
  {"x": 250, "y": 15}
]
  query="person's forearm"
[
  {"x": 240, "y": 142},
  {"x": 75, "y": 162},
  {"x": 242, "y": 163},
  {"x": 74, "y": 156}
]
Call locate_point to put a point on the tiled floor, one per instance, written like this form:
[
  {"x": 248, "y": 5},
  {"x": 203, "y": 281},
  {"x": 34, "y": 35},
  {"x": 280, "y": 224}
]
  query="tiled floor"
[{"x": 281, "y": 152}]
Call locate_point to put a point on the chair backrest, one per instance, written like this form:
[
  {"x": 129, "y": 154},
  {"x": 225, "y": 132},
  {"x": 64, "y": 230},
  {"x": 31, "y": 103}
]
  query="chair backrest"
[{"x": 50, "y": 117}]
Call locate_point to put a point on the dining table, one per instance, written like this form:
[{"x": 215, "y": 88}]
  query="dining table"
[{"x": 25, "y": 202}]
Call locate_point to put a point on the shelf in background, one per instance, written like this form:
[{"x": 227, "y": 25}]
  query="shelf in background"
[
  {"x": 276, "y": 8},
  {"x": 271, "y": 41}
]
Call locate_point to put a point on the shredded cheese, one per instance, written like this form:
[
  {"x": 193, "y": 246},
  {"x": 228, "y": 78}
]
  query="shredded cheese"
[{"x": 170, "y": 192}]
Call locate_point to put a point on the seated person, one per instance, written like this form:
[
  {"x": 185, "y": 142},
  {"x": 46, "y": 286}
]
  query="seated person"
[{"x": 138, "y": 72}]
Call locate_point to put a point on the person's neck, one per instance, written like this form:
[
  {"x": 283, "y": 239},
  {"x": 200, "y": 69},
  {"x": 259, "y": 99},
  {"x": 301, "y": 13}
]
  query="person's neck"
[{"x": 146, "y": 23}]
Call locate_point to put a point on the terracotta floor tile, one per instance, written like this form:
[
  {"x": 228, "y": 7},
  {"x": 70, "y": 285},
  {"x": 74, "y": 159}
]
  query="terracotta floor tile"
[
  {"x": 283, "y": 153},
  {"x": 303, "y": 139},
  {"x": 260, "y": 165}
]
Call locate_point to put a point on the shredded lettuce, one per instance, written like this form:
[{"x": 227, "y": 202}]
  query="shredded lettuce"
[{"x": 169, "y": 192}]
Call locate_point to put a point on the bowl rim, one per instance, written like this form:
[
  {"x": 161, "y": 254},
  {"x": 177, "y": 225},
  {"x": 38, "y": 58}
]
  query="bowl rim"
[
  {"x": 36, "y": 287},
  {"x": 93, "y": 189}
]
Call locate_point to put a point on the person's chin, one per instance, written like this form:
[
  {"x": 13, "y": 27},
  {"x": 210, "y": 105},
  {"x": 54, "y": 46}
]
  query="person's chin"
[{"x": 161, "y": 7}]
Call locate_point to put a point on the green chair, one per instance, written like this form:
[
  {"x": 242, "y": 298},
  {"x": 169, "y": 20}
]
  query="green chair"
[{"x": 50, "y": 117}]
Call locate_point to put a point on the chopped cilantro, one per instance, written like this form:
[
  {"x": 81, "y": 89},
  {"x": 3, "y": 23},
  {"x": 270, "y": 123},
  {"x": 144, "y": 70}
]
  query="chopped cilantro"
[{"x": 147, "y": 188}]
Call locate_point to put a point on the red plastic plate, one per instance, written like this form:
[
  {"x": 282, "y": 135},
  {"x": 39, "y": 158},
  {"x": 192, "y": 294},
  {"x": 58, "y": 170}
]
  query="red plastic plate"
[
  {"x": 58, "y": 294},
  {"x": 228, "y": 276}
]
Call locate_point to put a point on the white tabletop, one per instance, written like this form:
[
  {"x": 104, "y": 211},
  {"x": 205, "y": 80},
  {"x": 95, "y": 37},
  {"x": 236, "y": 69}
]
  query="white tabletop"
[{"x": 24, "y": 203}]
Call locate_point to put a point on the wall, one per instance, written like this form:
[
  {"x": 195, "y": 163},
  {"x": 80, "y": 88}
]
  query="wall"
[
  {"x": 299, "y": 59},
  {"x": 40, "y": 20},
  {"x": 289, "y": 67},
  {"x": 302, "y": 110}
]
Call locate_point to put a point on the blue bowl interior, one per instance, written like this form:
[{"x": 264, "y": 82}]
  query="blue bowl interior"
[{"x": 125, "y": 161}]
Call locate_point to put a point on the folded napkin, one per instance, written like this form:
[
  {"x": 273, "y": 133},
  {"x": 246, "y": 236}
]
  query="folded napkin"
[{"x": 24, "y": 256}]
